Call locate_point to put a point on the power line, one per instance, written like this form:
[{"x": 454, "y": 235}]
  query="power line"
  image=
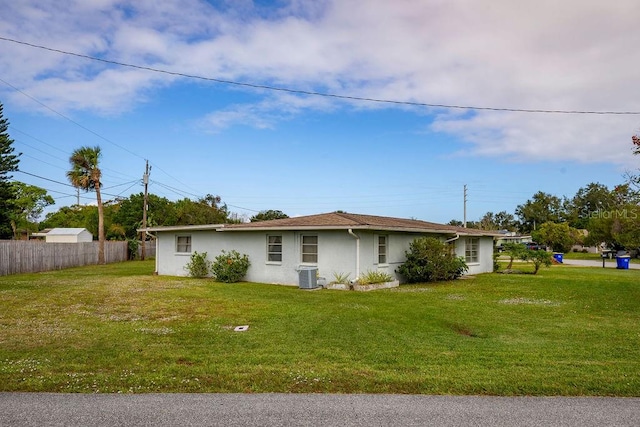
[
  {"x": 85, "y": 128},
  {"x": 46, "y": 179},
  {"x": 13, "y": 128},
  {"x": 65, "y": 195},
  {"x": 60, "y": 182},
  {"x": 314, "y": 93},
  {"x": 68, "y": 118},
  {"x": 175, "y": 190}
]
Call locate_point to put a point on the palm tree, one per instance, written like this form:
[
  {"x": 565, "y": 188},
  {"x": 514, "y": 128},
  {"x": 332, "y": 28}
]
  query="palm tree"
[{"x": 85, "y": 174}]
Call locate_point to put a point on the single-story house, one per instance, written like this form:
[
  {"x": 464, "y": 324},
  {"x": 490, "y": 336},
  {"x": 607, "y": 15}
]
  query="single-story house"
[
  {"x": 506, "y": 236},
  {"x": 66, "y": 235},
  {"x": 333, "y": 243}
]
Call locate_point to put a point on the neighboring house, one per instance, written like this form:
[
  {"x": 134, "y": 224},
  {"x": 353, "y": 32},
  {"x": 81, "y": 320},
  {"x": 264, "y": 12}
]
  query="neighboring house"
[
  {"x": 332, "y": 243},
  {"x": 66, "y": 235},
  {"x": 505, "y": 236}
]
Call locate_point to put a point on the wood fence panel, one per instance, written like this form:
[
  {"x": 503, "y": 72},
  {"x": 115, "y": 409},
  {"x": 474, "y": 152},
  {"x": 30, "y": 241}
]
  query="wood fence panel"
[
  {"x": 33, "y": 256},
  {"x": 150, "y": 248}
]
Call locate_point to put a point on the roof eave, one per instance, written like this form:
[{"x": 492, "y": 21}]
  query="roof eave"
[
  {"x": 222, "y": 228},
  {"x": 355, "y": 227},
  {"x": 203, "y": 227}
]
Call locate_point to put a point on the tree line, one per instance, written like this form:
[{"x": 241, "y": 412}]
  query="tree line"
[{"x": 594, "y": 215}]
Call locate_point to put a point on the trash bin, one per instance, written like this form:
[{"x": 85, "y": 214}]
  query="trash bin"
[
  {"x": 558, "y": 257},
  {"x": 622, "y": 262}
]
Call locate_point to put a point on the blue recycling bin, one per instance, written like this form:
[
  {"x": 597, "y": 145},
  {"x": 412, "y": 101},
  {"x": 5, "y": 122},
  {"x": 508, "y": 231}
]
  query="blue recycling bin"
[
  {"x": 558, "y": 257},
  {"x": 623, "y": 262}
]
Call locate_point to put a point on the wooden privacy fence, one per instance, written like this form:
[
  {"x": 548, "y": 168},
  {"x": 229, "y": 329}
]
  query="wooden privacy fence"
[
  {"x": 150, "y": 248},
  {"x": 32, "y": 256}
]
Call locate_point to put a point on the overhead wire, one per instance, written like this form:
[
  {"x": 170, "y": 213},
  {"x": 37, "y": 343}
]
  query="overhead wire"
[
  {"x": 60, "y": 182},
  {"x": 81, "y": 126},
  {"x": 315, "y": 93},
  {"x": 264, "y": 87}
]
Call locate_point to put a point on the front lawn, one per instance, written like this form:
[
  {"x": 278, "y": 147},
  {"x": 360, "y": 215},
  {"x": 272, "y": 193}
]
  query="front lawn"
[{"x": 117, "y": 328}]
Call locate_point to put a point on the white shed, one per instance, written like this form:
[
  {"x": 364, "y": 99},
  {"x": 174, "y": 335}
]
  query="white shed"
[{"x": 68, "y": 235}]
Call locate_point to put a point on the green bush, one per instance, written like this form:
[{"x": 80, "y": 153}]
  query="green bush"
[
  {"x": 514, "y": 250},
  {"x": 133, "y": 245},
  {"x": 496, "y": 260},
  {"x": 538, "y": 258},
  {"x": 430, "y": 260},
  {"x": 342, "y": 278},
  {"x": 230, "y": 267},
  {"x": 560, "y": 237},
  {"x": 198, "y": 265},
  {"x": 372, "y": 277}
]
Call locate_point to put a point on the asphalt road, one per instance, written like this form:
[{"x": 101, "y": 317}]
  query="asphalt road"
[
  {"x": 87, "y": 410},
  {"x": 588, "y": 263}
]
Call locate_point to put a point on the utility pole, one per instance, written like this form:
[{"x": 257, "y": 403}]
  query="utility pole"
[
  {"x": 464, "y": 221},
  {"x": 145, "y": 206}
]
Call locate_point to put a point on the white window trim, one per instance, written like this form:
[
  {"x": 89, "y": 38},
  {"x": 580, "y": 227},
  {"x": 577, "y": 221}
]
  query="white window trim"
[
  {"x": 190, "y": 251},
  {"x": 302, "y": 236},
  {"x": 468, "y": 241},
  {"x": 376, "y": 249},
  {"x": 271, "y": 262}
]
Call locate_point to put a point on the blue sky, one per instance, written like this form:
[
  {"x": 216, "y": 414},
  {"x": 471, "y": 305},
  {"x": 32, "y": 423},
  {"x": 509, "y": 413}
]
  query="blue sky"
[{"x": 303, "y": 154}]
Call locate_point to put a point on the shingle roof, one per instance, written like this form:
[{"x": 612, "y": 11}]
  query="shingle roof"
[
  {"x": 335, "y": 221},
  {"x": 340, "y": 220}
]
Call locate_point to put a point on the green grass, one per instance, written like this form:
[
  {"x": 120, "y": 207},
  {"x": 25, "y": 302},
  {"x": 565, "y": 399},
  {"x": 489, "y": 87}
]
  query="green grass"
[{"x": 118, "y": 328}]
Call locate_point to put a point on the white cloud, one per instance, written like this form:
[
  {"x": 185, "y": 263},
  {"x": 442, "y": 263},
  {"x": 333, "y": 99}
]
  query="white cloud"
[
  {"x": 524, "y": 137},
  {"x": 263, "y": 115},
  {"x": 569, "y": 55}
]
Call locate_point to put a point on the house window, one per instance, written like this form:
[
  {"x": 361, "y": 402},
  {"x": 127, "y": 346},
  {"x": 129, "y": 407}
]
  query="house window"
[
  {"x": 310, "y": 249},
  {"x": 274, "y": 248},
  {"x": 381, "y": 242},
  {"x": 183, "y": 244},
  {"x": 471, "y": 248}
]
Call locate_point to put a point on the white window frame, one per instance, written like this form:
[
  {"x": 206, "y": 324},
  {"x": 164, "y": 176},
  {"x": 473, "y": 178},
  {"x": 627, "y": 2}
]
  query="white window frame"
[
  {"x": 472, "y": 250},
  {"x": 302, "y": 251},
  {"x": 187, "y": 247},
  {"x": 271, "y": 245},
  {"x": 385, "y": 245}
]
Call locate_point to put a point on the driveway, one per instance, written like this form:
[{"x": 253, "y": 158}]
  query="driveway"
[
  {"x": 588, "y": 263},
  {"x": 347, "y": 410}
]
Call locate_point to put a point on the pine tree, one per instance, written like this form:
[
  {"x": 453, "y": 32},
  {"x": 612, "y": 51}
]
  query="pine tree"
[{"x": 8, "y": 163}]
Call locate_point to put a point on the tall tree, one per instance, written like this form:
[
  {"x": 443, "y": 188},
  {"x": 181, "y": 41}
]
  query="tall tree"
[
  {"x": 619, "y": 225},
  {"x": 458, "y": 223},
  {"x": 499, "y": 221},
  {"x": 203, "y": 211},
  {"x": 543, "y": 207},
  {"x": 559, "y": 236},
  {"x": 29, "y": 205},
  {"x": 268, "y": 215},
  {"x": 129, "y": 215},
  {"x": 634, "y": 178},
  {"x": 588, "y": 202},
  {"x": 8, "y": 163},
  {"x": 85, "y": 174},
  {"x": 69, "y": 217}
]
